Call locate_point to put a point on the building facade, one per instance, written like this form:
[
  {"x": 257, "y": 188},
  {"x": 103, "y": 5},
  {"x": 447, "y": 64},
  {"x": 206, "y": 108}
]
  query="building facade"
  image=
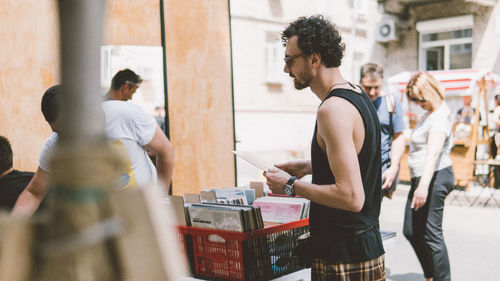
[
  {"x": 443, "y": 35},
  {"x": 276, "y": 121}
]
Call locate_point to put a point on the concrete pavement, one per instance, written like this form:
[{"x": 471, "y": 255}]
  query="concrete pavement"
[{"x": 472, "y": 235}]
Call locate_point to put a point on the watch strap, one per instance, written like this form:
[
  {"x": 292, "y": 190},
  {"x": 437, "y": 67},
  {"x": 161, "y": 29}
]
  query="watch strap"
[
  {"x": 289, "y": 189},
  {"x": 291, "y": 180}
]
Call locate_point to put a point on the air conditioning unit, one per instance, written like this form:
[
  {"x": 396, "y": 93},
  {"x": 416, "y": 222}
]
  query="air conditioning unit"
[{"x": 385, "y": 30}]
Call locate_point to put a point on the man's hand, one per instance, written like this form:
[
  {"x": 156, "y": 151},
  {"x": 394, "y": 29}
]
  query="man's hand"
[
  {"x": 276, "y": 180},
  {"x": 419, "y": 198},
  {"x": 298, "y": 168},
  {"x": 389, "y": 176}
]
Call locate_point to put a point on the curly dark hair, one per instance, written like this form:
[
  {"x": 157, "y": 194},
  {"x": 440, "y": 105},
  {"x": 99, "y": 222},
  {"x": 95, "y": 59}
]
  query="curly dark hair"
[
  {"x": 316, "y": 35},
  {"x": 5, "y": 154}
]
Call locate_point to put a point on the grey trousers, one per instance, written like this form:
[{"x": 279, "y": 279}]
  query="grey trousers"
[{"x": 424, "y": 228}]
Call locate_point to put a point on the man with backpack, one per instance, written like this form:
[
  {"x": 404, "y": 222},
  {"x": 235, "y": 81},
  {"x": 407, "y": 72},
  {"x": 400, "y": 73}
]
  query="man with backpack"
[{"x": 390, "y": 114}]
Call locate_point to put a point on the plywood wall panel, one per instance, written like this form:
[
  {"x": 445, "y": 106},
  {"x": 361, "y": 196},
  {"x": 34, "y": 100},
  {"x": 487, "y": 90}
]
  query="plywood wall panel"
[
  {"x": 132, "y": 22},
  {"x": 199, "y": 78},
  {"x": 29, "y": 64},
  {"x": 200, "y": 93}
]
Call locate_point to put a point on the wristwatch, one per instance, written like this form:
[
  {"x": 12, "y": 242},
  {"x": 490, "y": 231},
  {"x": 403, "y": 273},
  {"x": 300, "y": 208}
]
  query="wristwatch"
[{"x": 289, "y": 190}]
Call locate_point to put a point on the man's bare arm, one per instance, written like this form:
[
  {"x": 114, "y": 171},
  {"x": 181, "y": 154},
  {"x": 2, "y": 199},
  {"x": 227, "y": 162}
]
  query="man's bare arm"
[
  {"x": 435, "y": 143},
  {"x": 341, "y": 134},
  {"x": 397, "y": 149},
  {"x": 29, "y": 201},
  {"x": 161, "y": 147}
]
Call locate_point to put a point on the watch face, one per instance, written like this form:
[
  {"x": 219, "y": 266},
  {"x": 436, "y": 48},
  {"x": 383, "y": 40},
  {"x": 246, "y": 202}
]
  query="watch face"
[{"x": 287, "y": 189}]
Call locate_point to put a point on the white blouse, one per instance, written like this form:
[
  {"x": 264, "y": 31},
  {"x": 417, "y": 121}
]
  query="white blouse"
[{"x": 440, "y": 120}]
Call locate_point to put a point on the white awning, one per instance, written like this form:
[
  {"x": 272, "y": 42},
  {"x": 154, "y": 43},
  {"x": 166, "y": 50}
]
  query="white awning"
[{"x": 459, "y": 82}]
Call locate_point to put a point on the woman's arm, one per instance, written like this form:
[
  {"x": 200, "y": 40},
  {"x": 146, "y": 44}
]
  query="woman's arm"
[{"x": 435, "y": 144}]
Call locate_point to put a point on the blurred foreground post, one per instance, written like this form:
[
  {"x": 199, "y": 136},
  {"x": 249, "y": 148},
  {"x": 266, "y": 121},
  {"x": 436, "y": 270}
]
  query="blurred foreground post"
[
  {"x": 91, "y": 235},
  {"x": 74, "y": 244}
]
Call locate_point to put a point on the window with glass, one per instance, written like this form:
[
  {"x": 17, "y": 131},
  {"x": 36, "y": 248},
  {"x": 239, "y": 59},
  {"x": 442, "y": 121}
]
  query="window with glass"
[
  {"x": 147, "y": 62},
  {"x": 445, "y": 43},
  {"x": 361, "y": 6},
  {"x": 274, "y": 58}
]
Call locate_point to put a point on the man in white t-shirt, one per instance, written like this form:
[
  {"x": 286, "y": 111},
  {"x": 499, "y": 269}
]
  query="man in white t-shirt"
[{"x": 128, "y": 127}]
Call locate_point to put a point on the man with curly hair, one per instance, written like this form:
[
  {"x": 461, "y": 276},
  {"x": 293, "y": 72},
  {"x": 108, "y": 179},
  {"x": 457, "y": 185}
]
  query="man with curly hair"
[{"x": 345, "y": 159}]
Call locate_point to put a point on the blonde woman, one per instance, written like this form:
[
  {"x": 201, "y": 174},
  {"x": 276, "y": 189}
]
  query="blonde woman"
[{"x": 432, "y": 176}]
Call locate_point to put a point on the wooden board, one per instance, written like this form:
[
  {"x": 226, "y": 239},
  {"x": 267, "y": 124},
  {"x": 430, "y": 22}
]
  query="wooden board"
[
  {"x": 30, "y": 60},
  {"x": 134, "y": 22},
  {"x": 200, "y": 94},
  {"x": 31, "y": 66},
  {"x": 199, "y": 78}
]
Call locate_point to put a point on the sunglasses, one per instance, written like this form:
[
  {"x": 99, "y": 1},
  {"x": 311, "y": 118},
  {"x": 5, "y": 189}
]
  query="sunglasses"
[
  {"x": 416, "y": 100},
  {"x": 132, "y": 83},
  {"x": 289, "y": 60},
  {"x": 368, "y": 89}
]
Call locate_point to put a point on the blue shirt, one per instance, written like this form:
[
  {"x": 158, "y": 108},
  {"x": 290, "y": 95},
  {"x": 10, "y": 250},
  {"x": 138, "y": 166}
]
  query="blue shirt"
[{"x": 385, "y": 125}]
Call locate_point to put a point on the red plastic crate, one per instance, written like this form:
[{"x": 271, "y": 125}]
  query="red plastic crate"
[
  {"x": 183, "y": 231},
  {"x": 187, "y": 244},
  {"x": 258, "y": 255}
]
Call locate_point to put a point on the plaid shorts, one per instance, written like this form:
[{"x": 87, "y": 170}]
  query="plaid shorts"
[{"x": 372, "y": 270}]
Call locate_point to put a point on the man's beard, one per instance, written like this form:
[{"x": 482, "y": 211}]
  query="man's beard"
[{"x": 302, "y": 85}]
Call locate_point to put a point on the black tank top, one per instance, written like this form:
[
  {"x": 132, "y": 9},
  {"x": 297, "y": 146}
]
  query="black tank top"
[{"x": 340, "y": 235}]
